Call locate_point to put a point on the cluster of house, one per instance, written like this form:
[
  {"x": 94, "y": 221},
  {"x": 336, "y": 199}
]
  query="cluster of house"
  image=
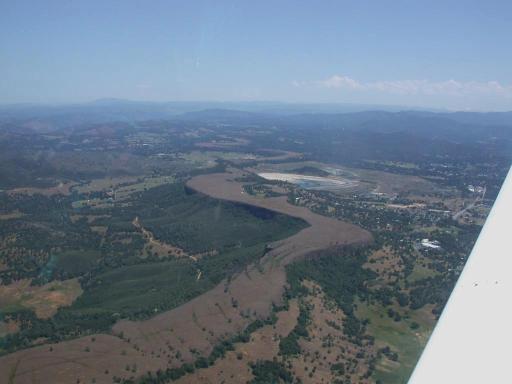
[
  {"x": 475, "y": 189},
  {"x": 434, "y": 244}
]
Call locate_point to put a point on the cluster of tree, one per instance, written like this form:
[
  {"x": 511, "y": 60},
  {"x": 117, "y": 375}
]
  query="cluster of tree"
[
  {"x": 386, "y": 351},
  {"x": 41, "y": 238},
  {"x": 289, "y": 345},
  {"x": 339, "y": 272},
  {"x": 432, "y": 290},
  {"x": 64, "y": 325},
  {"x": 266, "y": 372},
  {"x": 197, "y": 223},
  {"x": 261, "y": 189}
]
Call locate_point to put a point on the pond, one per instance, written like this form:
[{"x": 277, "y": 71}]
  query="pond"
[{"x": 310, "y": 182}]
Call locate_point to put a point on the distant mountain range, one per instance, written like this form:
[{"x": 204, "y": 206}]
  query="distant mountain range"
[{"x": 344, "y": 116}]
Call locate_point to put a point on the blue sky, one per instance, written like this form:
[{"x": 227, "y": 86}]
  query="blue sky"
[{"x": 442, "y": 54}]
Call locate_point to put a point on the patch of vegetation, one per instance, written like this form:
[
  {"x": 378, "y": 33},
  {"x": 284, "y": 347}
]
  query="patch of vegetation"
[
  {"x": 270, "y": 372},
  {"x": 395, "y": 336},
  {"x": 143, "y": 289},
  {"x": 340, "y": 274},
  {"x": 197, "y": 223},
  {"x": 289, "y": 345},
  {"x": 262, "y": 190},
  {"x": 338, "y": 368},
  {"x": 64, "y": 325},
  {"x": 75, "y": 262}
]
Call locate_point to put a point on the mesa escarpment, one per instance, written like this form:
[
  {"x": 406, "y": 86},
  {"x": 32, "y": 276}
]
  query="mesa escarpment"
[{"x": 193, "y": 329}]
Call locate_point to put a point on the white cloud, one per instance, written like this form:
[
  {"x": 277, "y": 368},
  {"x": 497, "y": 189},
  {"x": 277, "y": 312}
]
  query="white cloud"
[
  {"x": 338, "y": 81},
  {"x": 412, "y": 87}
]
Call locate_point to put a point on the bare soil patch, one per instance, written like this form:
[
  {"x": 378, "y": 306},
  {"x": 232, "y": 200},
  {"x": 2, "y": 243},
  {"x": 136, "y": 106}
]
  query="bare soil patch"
[
  {"x": 8, "y": 327},
  {"x": 44, "y": 300}
]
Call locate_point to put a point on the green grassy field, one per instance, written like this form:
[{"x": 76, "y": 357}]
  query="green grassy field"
[
  {"x": 142, "y": 289},
  {"x": 400, "y": 337},
  {"x": 420, "y": 272}
]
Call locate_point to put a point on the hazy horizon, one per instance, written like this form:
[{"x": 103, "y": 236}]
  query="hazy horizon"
[{"x": 347, "y": 107}]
